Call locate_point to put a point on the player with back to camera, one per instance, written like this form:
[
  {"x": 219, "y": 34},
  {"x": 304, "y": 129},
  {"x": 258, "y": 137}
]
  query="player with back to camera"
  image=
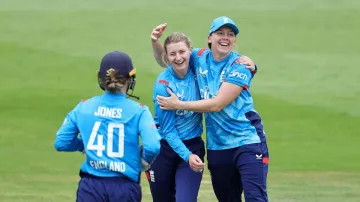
[
  {"x": 110, "y": 125},
  {"x": 176, "y": 173},
  {"x": 237, "y": 151}
]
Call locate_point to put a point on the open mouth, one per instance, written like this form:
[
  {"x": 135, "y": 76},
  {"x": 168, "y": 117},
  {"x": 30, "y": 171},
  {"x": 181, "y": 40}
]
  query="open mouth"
[
  {"x": 224, "y": 44},
  {"x": 180, "y": 62}
]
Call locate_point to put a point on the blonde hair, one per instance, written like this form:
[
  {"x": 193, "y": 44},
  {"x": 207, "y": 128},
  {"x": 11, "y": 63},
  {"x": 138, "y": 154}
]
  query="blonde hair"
[
  {"x": 175, "y": 37},
  {"x": 113, "y": 83}
]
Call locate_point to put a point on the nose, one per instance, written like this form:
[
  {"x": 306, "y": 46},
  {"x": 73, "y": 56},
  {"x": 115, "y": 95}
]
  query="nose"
[
  {"x": 178, "y": 56},
  {"x": 226, "y": 36}
]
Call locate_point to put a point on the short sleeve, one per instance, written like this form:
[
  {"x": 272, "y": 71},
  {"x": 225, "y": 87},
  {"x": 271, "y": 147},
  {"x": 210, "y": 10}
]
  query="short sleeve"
[{"x": 239, "y": 75}]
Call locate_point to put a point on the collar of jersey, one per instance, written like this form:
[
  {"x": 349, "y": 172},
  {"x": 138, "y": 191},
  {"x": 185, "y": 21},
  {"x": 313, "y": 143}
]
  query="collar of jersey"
[
  {"x": 176, "y": 76},
  {"x": 107, "y": 94},
  {"x": 221, "y": 61}
]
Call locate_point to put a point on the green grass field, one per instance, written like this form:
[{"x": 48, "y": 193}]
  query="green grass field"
[{"x": 307, "y": 89}]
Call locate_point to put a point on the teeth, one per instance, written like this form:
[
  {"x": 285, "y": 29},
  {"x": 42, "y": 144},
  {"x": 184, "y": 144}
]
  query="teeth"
[
  {"x": 179, "y": 62},
  {"x": 224, "y": 44}
]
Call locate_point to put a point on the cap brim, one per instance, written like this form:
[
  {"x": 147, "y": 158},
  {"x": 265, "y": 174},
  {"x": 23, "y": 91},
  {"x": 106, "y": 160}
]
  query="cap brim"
[{"x": 232, "y": 26}]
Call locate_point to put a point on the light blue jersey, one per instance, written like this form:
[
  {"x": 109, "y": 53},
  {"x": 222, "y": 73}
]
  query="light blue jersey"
[
  {"x": 110, "y": 125},
  {"x": 177, "y": 125},
  {"x": 238, "y": 123}
]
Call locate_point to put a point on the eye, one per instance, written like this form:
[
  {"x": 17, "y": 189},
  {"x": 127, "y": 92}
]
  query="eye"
[
  {"x": 220, "y": 33},
  {"x": 231, "y": 34}
]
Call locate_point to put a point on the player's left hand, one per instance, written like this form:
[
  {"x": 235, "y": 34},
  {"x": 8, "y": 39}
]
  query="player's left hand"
[
  {"x": 245, "y": 60},
  {"x": 196, "y": 163},
  {"x": 168, "y": 103},
  {"x": 144, "y": 165}
]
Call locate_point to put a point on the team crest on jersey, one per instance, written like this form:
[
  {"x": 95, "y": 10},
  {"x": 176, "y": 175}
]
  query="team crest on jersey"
[
  {"x": 184, "y": 83},
  {"x": 180, "y": 95},
  {"x": 203, "y": 72}
]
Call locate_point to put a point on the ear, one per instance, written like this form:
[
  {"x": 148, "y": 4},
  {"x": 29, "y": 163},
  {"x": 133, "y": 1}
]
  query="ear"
[
  {"x": 209, "y": 39},
  {"x": 100, "y": 83}
]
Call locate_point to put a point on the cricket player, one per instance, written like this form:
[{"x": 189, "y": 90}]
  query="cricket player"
[
  {"x": 110, "y": 125},
  {"x": 176, "y": 173},
  {"x": 237, "y": 152}
]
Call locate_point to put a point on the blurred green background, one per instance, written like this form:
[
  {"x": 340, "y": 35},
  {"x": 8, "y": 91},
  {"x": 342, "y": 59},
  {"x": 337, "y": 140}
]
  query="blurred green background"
[{"x": 307, "y": 88}]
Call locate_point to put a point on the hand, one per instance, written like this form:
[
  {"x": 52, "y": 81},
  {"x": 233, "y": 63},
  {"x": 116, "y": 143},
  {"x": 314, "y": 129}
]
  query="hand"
[
  {"x": 158, "y": 31},
  {"x": 244, "y": 60},
  {"x": 196, "y": 163},
  {"x": 168, "y": 103},
  {"x": 144, "y": 165}
]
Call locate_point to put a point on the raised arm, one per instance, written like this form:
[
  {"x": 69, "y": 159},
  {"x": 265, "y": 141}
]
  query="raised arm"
[{"x": 158, "y": 48}]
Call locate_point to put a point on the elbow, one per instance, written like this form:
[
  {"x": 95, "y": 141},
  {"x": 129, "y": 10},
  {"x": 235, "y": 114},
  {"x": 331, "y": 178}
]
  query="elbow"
[
  {"x": 163, "y": 64},
  {"x": 154, "y": 151},
  {"x": 151, "y": 148},
  {"x": 216, "y": 108},
  {"x": 60, "y": 146},
  {"x": 217, "y": 105}
]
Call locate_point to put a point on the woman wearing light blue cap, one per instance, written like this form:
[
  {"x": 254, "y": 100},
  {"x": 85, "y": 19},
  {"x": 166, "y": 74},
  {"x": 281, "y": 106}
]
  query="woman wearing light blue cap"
[{"x": 237, "y": 152}]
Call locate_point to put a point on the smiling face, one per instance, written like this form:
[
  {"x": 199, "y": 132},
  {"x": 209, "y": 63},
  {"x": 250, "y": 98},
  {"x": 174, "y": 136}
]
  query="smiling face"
[
  {"x": 222, "y": 41},
  {"x": 178, "y": 55},
  {"x": 178, "y": 50}
]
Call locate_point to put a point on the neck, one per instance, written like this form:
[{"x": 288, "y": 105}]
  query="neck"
[
  {"x": 116, "y": 92},
  {"x": 123, "y": 91},
  {"x": 219, "y": 56},
  {"x": 181, "y": 73}
]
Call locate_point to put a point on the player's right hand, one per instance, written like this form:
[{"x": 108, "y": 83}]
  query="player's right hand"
[
  {"x": 196, "y": 163},
  {"x": 158, "y": 31}
]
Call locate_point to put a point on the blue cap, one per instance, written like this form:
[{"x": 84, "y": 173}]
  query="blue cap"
[
  {"x": 223, "y": 21},
  {"x": 118, "y": 61}
]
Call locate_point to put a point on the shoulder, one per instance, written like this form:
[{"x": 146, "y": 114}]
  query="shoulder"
[
  {"x": 87, "y": 102},
  {"x": 164, "y": 75},
  {"x": 236, "y": 64},
  {"x": 161, "y": 86},
  {"x": 200, "y": 51},
  {"x": 136, "y": 107},
  {"x": 163, "y": 81}
]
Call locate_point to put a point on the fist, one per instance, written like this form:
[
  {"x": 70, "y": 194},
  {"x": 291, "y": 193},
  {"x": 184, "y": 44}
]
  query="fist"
[{"x": 158, "y": 31}]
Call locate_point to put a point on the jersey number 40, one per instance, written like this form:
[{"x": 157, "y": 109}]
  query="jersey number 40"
[{"x": 100, "y": 147}]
